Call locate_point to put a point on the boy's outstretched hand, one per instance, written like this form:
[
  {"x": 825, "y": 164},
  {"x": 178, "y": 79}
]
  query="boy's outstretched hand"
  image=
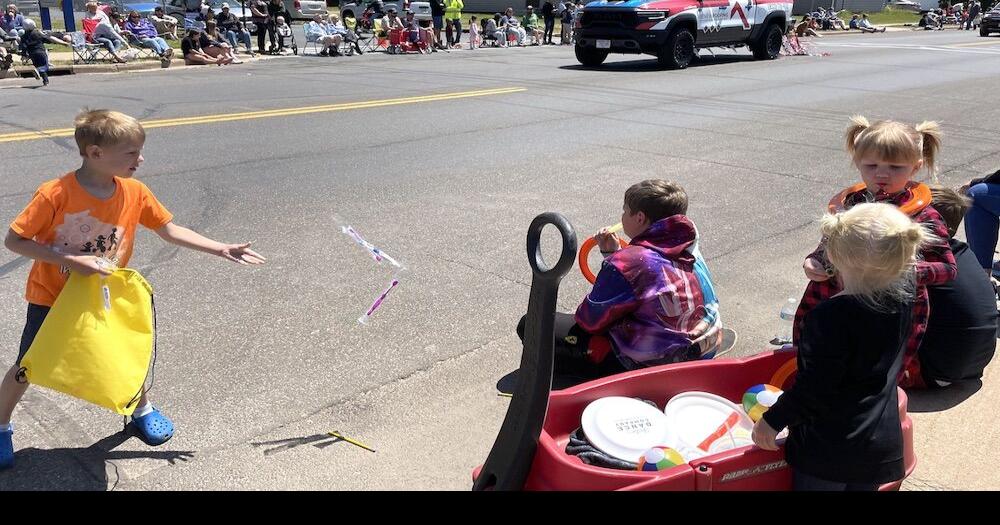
[
  {"x": 241, "y": 253},
  {"x": 607, "y": 240},
  {"x": 764, "y": 436}
]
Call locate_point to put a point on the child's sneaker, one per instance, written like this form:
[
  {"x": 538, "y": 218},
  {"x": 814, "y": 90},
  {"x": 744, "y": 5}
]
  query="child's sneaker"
[
  {"x": 6, "y": 449},
  {"x": 153, "y": 428}
]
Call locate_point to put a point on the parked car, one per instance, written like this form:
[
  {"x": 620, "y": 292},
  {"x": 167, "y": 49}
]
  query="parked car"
[
  {"x": 991, "y": 22},
  {"x": 907, "y": 5},
  {"x": 421, "y": 10},
  {"x": 25, "y": 7},
  {"x": 305, "y": 9}
]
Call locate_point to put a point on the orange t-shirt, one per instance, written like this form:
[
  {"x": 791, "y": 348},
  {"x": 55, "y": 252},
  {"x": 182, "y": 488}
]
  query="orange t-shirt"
[{"x": 68, "y": 219}]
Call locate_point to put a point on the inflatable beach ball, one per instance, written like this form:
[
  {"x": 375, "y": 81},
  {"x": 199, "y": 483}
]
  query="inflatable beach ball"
[
  {"x": 759, "y": 398},
  {"x": 660, "y": 458}
]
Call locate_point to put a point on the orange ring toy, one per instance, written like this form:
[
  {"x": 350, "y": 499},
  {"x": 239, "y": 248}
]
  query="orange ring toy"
[
  {"x": 781, "y": 376},
  {"x": 585, "y": 250},
  {"x": 921, "y": 199}
]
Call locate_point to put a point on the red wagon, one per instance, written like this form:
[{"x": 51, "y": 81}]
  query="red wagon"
[{"x": 530, "y": 450}]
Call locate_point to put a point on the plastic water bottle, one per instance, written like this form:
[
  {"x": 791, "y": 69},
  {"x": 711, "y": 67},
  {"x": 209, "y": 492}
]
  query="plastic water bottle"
[{"x": 787, "y": 320}]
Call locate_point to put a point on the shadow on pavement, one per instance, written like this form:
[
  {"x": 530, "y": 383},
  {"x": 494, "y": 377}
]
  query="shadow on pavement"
[
  {"x": 76, "y": 468},
  {"x": 940, "y": 399}
]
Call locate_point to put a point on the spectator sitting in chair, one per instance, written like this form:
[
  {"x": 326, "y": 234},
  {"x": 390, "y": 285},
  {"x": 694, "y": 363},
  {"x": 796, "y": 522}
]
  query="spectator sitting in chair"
[
  {"x": 93, "y": 13},
  {"x": 418, "y": 34},
  {"x": 145, "y": 33},
  {"x": 165, "y": 25},
  {"x": 193, "y": 54},
  {"x": 11, "y": 23},
  {"x": 317, "y": 31},
  {"x": 233, "y": 29},
  {"x": 493, "y": 29},
  {"x": 866, "y": 25},
  {"x": 513, "y": 27},
  {"x": 391, "y": 21},
  {"x": 106, "y": 33},
  {"x": 532, "y": 24},
  {"x": 213, "y": 44},
  {"x": 335, "y": 27}
]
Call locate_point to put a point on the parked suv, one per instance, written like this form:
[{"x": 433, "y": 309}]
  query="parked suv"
[
  {"x": 673, "y": 30},
  {"x": 421, "y": 10},
  {"x": 991, "y": 22}
]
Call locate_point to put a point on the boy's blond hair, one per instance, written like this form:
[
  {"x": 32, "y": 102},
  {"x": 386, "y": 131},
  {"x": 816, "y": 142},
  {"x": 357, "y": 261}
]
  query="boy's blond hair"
[
  {"x": 952, "y": 206},
  {"x": 874, "y": 246},
  {"x": 657, "y": 199},
  {"x": 104, "y": 127},
  {"x": 895, "y": 141}
]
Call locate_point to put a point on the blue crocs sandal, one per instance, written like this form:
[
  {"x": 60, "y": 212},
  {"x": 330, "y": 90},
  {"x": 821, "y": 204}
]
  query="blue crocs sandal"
[
  {"x": 6, "y": 449},
  {"x": 153, "y": 429}
]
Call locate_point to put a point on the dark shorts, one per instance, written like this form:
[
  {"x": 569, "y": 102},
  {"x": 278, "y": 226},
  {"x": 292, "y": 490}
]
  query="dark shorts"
[
  {"x": 438, "y": 22},
  {"x": 36, "y": 314}
]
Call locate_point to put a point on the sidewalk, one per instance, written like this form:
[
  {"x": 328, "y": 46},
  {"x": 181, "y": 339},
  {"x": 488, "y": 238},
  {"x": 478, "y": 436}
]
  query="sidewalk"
[{"x": 62, "y": 63}]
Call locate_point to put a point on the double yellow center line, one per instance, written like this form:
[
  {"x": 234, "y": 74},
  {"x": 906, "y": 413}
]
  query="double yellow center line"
[{"x": 287, "y": 112}]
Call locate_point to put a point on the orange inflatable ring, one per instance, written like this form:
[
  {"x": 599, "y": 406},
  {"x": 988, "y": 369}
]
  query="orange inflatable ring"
[
  {"x": 781, "y": 376},
  {"x": 585, "y": 250},
  {"x": 921, "y": 199}
]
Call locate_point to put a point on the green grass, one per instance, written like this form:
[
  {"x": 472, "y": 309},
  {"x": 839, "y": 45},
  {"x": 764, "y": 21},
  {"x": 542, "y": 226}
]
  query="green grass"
[{"x": 889, "y": 15}]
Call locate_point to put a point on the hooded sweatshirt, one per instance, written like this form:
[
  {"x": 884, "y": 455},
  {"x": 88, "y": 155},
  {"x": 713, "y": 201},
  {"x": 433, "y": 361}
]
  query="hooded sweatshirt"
[{"x": 655, "y": 298}]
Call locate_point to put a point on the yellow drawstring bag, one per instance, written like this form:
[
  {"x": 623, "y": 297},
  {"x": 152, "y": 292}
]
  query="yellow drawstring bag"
[{"x": 97, "y": 340}]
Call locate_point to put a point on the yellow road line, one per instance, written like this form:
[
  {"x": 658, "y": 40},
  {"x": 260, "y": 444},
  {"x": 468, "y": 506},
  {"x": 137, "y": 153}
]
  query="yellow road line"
[{"x": 230, "y": 117}]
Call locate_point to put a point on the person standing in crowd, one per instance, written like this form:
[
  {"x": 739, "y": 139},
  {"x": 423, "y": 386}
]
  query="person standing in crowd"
[
  {"x": 437, "y": 18},
  {"x": 233, "y": 29},
  {"x": 260, "y": 18},
  {"x": 453, "y": 12},
  {"x": 549, "y": 17}
]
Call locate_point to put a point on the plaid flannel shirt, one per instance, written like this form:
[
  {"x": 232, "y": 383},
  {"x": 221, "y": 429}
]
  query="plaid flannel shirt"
[{"x": 935, "y": 265}]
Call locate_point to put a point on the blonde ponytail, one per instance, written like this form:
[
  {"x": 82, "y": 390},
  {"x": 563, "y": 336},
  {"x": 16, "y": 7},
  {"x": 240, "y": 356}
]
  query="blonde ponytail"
[
  {"x": 858, "y": 124},
  {"x": 930, "y": 135}
]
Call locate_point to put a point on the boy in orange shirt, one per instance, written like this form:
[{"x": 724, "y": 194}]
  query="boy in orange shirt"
[{"x": 85, "y": 222}]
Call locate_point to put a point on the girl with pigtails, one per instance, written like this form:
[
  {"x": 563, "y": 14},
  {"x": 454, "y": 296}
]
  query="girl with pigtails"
[
  {"x": 888, "y": 155},
  {"x": 842, "y": 412}
]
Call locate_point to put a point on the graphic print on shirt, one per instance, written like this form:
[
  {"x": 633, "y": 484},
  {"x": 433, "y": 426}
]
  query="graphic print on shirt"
[{"x": 82, "y": 234}]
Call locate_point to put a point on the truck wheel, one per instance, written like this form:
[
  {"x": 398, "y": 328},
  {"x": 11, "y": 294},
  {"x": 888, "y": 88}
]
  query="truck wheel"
[
  {"x": 679, "y": 50},
  {"x": 983, "y": 31},
  {"x": 769, "y": 45},
  {"x": 590, "y": 56}
]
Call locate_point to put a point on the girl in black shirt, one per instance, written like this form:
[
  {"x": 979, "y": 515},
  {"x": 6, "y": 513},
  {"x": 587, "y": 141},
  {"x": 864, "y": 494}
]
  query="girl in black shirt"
[{"x": 842, "y": 412}]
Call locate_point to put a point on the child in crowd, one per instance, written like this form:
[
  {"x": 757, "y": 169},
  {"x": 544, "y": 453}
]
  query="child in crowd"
[
  {"x": 842, "y": 412},
  {"x": 888, "y": 155},
  {"x": 961, "y": 333},
  {"x": 474, "y": 40},
  {"x": 106, "y": 204},
  {"x": 653, "y": 301},
  {"x": 283, "y": 31}
]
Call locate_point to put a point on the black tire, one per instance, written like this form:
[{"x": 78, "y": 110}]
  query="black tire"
[
  {"x": 983, "y": 31},
  {"x": 768, "y": 46},
  {"x": 679, "y": 50},
  {"x": 590, "y": 56}
]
